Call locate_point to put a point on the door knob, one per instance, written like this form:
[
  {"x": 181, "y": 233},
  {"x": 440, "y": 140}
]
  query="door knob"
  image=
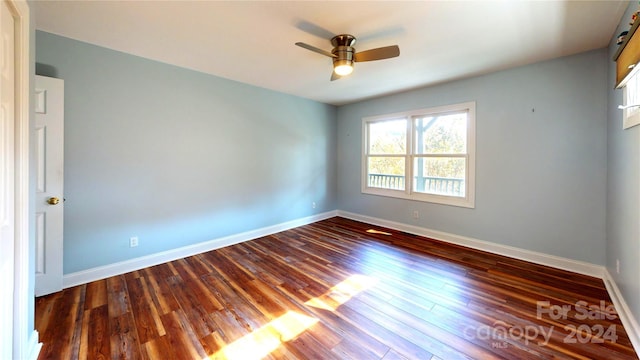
[{"x": 53, "y": 201}]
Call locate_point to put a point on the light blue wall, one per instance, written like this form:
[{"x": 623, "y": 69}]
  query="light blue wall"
[
  {"x": 541, "y": 158},
  {"x": 623, "y": 189},
  {"x": 177, "y": 157}
]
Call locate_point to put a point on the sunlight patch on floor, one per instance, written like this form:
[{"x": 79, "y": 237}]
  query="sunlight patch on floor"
[
  {"x": 373, "y": 231},
  {"x": 266, "y": 339},
  {"x": 342, "y": 292}
]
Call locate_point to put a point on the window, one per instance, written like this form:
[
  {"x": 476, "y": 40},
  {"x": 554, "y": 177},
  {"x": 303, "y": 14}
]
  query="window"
[
  {"x": 426, "y": 155},
  {"x": 631, "y": 116}
]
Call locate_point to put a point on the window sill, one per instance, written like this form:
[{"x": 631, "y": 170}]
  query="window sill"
[{"x": 466, "y": 202}]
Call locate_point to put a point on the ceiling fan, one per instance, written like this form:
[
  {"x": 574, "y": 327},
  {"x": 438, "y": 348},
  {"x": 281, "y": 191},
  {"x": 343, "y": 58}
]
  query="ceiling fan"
[{"x": 344, "y": 54}]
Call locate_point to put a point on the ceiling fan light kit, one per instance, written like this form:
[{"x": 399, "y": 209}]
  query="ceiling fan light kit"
[
  {"x": 342, "y": 69},
  {"x": 344, "y": 54}
]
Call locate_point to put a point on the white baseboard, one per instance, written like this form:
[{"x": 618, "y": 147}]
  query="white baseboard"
[
  {"x": 580, "y": 267},
  {"x": 33, "y": 346},
  {"x": 102, "y": 272},
  {"x": 626, "y": 316}
]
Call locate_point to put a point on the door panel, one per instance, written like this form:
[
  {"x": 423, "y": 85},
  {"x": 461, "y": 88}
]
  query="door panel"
[{"x": 49, "y": 157}]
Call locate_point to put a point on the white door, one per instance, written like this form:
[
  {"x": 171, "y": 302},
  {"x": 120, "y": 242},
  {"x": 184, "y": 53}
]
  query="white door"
[
  {"x": 7, "y": 176},
  {"x": 49, "y": 157}
]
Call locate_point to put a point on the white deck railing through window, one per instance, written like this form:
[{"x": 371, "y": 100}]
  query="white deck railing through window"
[{"x": 426, "y": 184}]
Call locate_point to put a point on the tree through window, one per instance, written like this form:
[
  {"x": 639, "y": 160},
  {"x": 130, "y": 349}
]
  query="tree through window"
[{"x": 423, "y": 155}]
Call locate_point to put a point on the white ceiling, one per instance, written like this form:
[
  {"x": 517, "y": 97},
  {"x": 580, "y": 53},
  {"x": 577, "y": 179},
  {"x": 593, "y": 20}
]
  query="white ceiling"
[{"x": 253, "y": 42}]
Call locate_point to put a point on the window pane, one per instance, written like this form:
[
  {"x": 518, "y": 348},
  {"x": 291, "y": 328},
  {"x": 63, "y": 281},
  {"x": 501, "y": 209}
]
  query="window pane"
[
  {"x": 441, "y": 134},
  {"x": 633, "y": 94},
  {"x": 386, "y": 172},
  {"x": 388, "y": 137},
  {"x": 441, "y": 176}
]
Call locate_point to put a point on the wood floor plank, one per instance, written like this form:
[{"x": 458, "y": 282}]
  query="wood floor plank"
[
  {"x": 393, "y": 355},
  {"x": 181, "y": 337},
  {"x": 98, "y": 333},
  {"x": 159, "y": 348},
  {"x": 160, "y": 292},
  {"x": 350, "y": 350},
  {"x": 45, "y": 312},
  {"x": 62, "y": 329},
  {"x": 123, "y": 338},
  {"x": 334, "y": 289},
  {"x": 197, "y": 316},
  {"x": 96, "y": 294},
  {"x": 146, "y": 319},
  {"x": 392, "y": 337},
  {"x": 306, "y": 346},
  {"x": 117, "y": 296},
  {"x": 83, "y": 347},
  {"x": 352, "y": 334},
  {"x": 442, "y": 343}
]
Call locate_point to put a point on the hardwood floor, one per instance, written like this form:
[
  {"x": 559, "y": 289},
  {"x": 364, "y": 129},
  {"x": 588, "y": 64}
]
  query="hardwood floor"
[{"x": 336, "y": 289}]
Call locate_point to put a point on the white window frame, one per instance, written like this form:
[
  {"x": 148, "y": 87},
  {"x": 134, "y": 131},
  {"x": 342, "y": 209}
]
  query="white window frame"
[{"x": 468, "y": 201}]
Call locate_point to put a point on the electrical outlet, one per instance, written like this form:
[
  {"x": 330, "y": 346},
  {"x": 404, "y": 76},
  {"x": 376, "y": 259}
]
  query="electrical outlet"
[
  {"x": 416, "y": 214},
  {"x": 313, "y": 205},
  {"x": 133, "y": 241},
  {"x": 617, "y": 266}
]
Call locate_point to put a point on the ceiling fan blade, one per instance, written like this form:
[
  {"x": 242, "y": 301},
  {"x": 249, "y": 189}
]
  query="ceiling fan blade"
[
  {"x": 377, "y": 54},
  {"x": 315, "y": 49},
  {"x": 335, "y": 76}
]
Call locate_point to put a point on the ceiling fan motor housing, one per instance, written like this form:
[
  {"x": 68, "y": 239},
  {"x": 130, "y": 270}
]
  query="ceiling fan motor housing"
[
  {"x": 343, "y": 49},
  {"x": 343, "y": 40},
  {"x": 344, "y": 55}
]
